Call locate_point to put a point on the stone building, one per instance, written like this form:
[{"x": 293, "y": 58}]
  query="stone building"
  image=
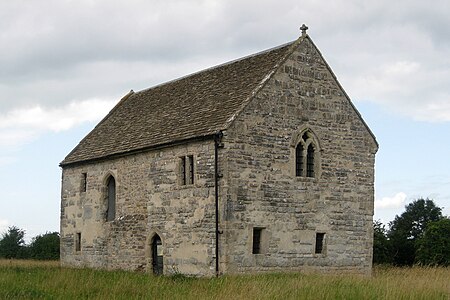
[{"x": 259, "y": 164}]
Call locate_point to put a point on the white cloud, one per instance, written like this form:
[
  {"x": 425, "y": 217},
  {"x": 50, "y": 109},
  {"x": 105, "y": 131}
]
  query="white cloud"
[
  {"x": 394, "y": 54},
  {"x": 397, "y": 201},
  {"x": 23, "y": 125},
  {"x": 402, "y": 68},
  {"x": 408, "y": 88},
  {"x": 11, "y": 137}
]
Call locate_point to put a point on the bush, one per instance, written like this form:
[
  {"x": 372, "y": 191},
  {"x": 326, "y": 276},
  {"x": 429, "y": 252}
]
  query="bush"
[
  {"x": 42, "y": 247},
  {"x": 434, "y": 246},
  {"x": 45, "y": 246}
]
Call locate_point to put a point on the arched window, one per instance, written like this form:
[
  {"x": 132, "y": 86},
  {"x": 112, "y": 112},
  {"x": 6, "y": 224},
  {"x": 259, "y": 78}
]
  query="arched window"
[
  {"x": 306, "y": 155},
  {"x": 111, "y": 198}
]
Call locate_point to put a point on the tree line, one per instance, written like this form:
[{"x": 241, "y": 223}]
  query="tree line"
[
  {"x": 420, "y": 235},
  {"x": 42, "y": 247}
]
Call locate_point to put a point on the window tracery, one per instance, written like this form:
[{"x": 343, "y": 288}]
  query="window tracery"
[{"x": 306, "y": 155}]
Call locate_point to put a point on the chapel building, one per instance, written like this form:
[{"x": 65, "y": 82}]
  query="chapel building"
[{"x": 259, "y": 164}]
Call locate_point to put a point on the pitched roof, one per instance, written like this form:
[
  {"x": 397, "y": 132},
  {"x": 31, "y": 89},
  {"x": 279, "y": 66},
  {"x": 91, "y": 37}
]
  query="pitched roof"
[{"x": 194, "y": 106}]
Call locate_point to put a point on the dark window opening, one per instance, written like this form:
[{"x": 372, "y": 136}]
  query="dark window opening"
[
  {"x": 299, "y": 160},
  {"x": 187, "y": 170},
  {"x": 319, "y": 242},
  {"x": 183, "y": 170},
  {"x": 111, "y": 188},
  {"x": 257, "y": 233},
  {"x": 310, "y": 161},
  {"x": 84, "y": 182},
  {"x": 78, "y": 242},
  {"x": 191, "y": 169},
  {"x": 305, "y": 136}
]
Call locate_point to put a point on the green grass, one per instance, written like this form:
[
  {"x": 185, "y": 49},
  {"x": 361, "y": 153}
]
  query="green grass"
[{"x": 47, "y": 280}]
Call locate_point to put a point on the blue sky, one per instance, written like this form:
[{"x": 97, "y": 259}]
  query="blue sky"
[
  {"x": 64, "y": 65},
  {"x": 412, "y": 161}
]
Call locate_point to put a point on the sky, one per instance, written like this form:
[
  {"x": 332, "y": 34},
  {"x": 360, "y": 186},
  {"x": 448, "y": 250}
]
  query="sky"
[{"x": 64, "y": 64}]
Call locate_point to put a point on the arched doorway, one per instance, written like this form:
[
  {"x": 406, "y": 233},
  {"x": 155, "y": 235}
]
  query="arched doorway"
[{"x": 157, "y": 255}]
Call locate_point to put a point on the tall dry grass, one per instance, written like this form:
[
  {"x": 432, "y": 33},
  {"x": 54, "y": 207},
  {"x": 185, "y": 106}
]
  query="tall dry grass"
[
  {"x": 30, "y": 279},
  {"x": 4, "y": 263}
]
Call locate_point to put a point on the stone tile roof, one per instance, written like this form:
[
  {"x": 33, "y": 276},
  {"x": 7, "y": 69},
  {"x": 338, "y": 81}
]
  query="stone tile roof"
[{"x": 193, "y": 106}]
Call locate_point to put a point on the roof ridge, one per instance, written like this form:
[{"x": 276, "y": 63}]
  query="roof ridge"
[
  {"x": 217, "y": 66},
  {"x": 210, "y": 98}
]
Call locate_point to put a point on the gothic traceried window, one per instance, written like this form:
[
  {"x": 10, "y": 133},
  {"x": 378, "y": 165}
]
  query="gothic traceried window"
[{"x": 306, "y": 156}]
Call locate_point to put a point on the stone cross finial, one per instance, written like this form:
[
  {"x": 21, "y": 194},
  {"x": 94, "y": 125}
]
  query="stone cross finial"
[{"x": 303, "y": 29}]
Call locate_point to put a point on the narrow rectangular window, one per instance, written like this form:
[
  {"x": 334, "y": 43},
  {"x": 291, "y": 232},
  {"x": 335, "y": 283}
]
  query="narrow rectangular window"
[
  {"x": 256, "y": 249},
  {"x": 310, "y": 162},
  {"x": 78, "y": 242},
  {"x": 84, "y": 182},
  {"x": 299, "y": 160},
  {"x": 319, "y": 242},
  {"x": 191, "y": 169},
  {"x": 187, "y": 170},
  {"x": 183, "y": 170}
]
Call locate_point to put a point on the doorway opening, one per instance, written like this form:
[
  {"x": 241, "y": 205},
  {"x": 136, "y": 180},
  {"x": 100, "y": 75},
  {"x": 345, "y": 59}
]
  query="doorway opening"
[{"x": 157, "y": 255}]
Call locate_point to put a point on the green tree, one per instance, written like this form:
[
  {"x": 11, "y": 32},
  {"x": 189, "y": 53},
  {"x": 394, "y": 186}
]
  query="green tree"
[
  {"x": 12, "y": 244},
  {"x": 434, "y": 246},
  {"x": 381, "y": 245},
  {"x": 45, "y": 246},
  {"x": 406, "y": 229}
]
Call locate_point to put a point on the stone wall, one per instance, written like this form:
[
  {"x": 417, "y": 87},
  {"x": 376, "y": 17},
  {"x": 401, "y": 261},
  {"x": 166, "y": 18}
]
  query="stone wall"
[
  {"x": 149, "y": 199},
  {"x": 260, "y": 188}
]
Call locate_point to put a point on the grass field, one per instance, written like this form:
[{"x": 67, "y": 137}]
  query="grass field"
[{"x": 46, "y": 280}]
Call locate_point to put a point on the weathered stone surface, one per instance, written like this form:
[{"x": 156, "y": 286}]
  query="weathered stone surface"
[
  {"x": 149, "y": 200},
  {"x": 258, "y": 188},
  {"x": 263, "y": 190}
]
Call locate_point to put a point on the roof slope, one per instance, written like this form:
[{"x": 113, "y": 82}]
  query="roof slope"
[{"x": 193, "y": 106}]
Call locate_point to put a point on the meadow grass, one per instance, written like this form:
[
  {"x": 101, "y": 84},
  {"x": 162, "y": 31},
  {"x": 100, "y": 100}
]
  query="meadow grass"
[{"x": 47, "y": 280}]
